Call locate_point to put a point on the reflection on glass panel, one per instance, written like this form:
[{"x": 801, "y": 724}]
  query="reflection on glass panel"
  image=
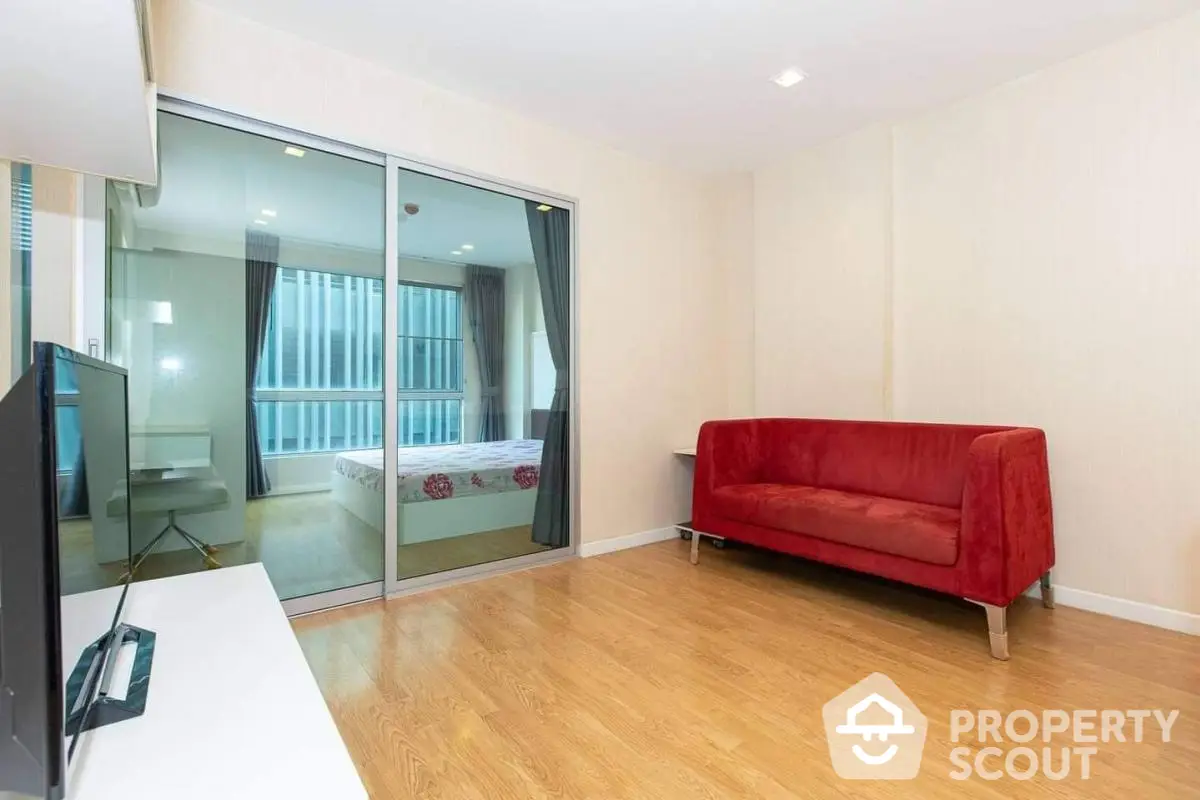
[
  {"x": 92, "y": 474},
  {"x": 469, "y": 422},
  {"x": 246, "y": 298},
  {"x": 21, "y": 262},
  {"x": 430, "y": 365}
]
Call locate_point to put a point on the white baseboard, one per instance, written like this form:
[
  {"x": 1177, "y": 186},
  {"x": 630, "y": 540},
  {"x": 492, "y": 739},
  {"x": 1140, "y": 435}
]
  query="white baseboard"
[
  {"x": 310, "y": 488},
  {"x": 598, "y": 548},
  {"x": 1147, "y": 614}
]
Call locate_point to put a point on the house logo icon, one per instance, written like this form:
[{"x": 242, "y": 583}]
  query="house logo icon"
[{"x": 874, "y": 731}]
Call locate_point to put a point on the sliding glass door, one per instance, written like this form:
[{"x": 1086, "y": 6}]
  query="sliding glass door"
[
  {"x": 246, "y": 299},
  {"x": 352, "y": 369},
  {"x": 483, "y": 360}
]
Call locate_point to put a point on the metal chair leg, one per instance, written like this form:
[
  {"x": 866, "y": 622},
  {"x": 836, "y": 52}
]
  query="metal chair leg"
[
  {"x": 136, "y": 562},
  {"x": 202, "y": 547},
  {"x": 1047, "y": 591}
]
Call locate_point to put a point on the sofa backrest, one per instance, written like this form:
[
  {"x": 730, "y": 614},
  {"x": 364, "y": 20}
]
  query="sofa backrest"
[{"x": 920, "y": 462}]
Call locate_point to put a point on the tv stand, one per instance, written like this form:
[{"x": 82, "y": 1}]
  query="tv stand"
[
  {"x": 102, "y": 654},
  {"x": 234, "y": 711}
]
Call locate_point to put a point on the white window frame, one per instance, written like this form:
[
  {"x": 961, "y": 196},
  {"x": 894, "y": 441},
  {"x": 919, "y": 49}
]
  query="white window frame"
[{"x": 459, "y": 394}]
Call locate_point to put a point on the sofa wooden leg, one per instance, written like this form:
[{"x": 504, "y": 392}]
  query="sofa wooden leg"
[
  {"x": 1047, "y": 591},
  {"x": 997, "y": 617},
  {"x": 695, "y": 557}
]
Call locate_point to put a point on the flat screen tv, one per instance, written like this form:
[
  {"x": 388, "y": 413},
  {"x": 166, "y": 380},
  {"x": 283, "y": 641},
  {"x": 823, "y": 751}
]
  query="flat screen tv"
[{"x": 64, "y": 441}]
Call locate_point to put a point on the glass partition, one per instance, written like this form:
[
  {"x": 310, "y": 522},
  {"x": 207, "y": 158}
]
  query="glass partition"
[
  {"x": 355, "y": 374},
  {"x": 478, "y": 480},
  {"x": 246, "y": 301}
]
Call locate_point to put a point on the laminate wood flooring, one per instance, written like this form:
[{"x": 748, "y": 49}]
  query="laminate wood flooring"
[{"x": 637, "y": 675}]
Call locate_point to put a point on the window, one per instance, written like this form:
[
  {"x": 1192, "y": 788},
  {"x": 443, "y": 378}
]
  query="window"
[
  {"x": 430, "y": 356},
  {"x": 320, "y": 380},
  {"x": 22, "y": 264}
]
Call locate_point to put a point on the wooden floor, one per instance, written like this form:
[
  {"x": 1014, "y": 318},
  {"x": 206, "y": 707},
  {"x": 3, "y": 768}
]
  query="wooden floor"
[
  {"x": 441, "y": 555},
  {"x": 636, "y": 675}
]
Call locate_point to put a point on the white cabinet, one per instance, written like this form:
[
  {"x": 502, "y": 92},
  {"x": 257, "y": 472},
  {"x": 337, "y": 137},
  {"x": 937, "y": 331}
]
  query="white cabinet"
[{"x": 77, "y": 87}]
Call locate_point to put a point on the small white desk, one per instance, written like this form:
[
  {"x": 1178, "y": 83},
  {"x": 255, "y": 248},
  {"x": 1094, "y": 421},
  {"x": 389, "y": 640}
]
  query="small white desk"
[
  {"x": 233, "y": 710},
  {"x": 685, "y": 529}
]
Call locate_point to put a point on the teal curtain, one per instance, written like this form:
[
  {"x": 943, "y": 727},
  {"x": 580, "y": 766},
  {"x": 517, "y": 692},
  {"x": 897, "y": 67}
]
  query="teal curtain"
[
  {"x": 484, "y": 293},
  {"x": 550, "y": 234}
]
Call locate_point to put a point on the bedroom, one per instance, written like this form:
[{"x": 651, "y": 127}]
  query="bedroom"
[{"x": 258, "y": 257}]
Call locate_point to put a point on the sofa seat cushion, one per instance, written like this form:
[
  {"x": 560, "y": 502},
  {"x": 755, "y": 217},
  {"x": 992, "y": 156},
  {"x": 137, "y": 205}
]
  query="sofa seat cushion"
[{"x": 899, "y": 527}]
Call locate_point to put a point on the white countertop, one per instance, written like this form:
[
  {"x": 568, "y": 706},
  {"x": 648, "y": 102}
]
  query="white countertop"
[{"x": 233, "y": 710}]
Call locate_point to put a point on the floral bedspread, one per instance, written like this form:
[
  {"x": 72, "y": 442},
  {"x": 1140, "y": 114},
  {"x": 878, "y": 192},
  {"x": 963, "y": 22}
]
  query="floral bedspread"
[{"x": 444, "y": 471}]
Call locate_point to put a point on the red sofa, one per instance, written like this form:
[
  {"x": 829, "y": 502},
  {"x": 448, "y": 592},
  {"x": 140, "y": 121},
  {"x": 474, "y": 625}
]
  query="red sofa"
[{"x": 960, "y": 509}]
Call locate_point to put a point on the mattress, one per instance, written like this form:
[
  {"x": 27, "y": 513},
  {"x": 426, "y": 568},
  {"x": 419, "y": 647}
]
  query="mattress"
[{"x": 444, "y": 471}]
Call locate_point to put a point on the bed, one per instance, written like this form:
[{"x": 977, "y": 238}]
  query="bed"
[{"x": 444, "y": 490}]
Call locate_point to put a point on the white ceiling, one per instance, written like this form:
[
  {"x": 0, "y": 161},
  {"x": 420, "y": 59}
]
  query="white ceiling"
[
  {"x": 453, "y": 214},
  {"x": 687, "y": 82},
  {"x": 216, "y": 182}
]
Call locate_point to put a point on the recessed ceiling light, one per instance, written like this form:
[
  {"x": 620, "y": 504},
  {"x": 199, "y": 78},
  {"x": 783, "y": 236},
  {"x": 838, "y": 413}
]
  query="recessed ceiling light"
[
  {"x": 456, "y": 252},
  {"x": 293, "y": 151},
  {"x": 268, "y": 212},
  {"x": 468, "y": 247},
  {"x": 260, "y": 222},
  {"x": 544, "y": 207},
  {"x": 789, "y": 77}
]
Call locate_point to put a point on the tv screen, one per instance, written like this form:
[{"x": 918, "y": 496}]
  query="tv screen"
[{"x": 64, "y": 465}]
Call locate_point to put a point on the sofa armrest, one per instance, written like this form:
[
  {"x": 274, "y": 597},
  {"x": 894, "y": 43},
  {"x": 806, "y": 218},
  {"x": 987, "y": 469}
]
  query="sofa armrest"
[
  {"x": 727, "y": 452},
  {"x": 1007, "y": 522}
]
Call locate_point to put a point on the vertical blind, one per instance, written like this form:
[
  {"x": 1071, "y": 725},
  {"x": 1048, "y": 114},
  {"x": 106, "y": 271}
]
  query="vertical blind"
[
  {"x": 324, "y": 331},
  {"x": 21, "y": 191},
  {"x": 22, "y": 207}
]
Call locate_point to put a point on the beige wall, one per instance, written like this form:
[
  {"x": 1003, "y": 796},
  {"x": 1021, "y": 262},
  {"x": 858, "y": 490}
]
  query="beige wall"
[
  {"x": 1043, "y": 240},
  {"x": 52, "y": 303},
  {"x": 821, "y": 248},
  {"x": 646, "y": 267},
  {"x": 732, "y": 200}
]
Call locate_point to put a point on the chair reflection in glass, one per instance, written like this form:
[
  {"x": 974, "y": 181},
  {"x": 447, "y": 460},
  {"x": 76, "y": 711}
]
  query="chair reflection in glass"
[{"x": 171, "y": 473}]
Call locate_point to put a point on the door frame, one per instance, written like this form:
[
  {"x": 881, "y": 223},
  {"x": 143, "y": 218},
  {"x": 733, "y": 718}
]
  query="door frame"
[
  {"x": 391, "y": 586},
  {"x": 394, "y": 587}
]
